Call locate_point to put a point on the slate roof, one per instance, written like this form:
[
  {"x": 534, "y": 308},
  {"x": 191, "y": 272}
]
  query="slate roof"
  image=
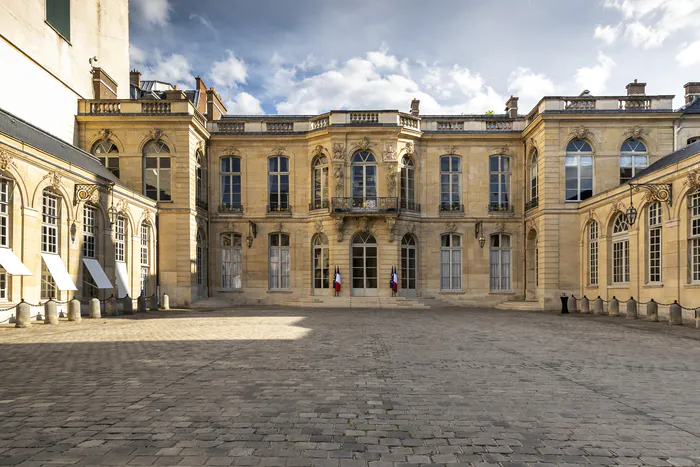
[
  {"x": 33, "y": 136},
  {"x": 692, "y": 108},
  {"x": 670, "y": 159}
]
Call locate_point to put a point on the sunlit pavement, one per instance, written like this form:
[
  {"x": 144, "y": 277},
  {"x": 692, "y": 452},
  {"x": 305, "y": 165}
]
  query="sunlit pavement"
[{"x": 350, "y": 388}]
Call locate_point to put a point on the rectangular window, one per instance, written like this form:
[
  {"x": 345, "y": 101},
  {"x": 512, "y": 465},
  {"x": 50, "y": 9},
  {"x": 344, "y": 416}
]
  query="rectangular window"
[
  {"x": 89, "y": 231},
  {"x": 230, "y": 169},
  {"x": 450, "y": 183},
  {"x": 4, "y": 212},
  {"x": 499, "y": 183},
  {"x": 279, "y": 262},
  {"x": 119, "y": 237},
  {"x": 4, "y": 286},
  {"x": 278, "y": 176},
  {"x": 145, "y": 272},
  {"x": 621, "y": 261},
  {"x": 450, "y": 262},
  {"x": 500, "y": 262},
  {"x": 579, "y": 177},
  {"x": 112, "y": 164},
  {"x": 144, "y": 244},
  {"x": 90, "y": 289},
  {"x": 230, "y": 261},
  {"x": 50, "y": 214},
  {"x": 593, "y": 254},
  {"x": 694, "y": 236},
  {"x": 655, "y": 242},
  {"x": 48, "y": 285},
  {"x": 58, "y": 16},
  {"x": 157, "y": 178}
]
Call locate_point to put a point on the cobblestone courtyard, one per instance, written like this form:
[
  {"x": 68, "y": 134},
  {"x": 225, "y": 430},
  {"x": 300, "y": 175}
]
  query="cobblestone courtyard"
[{"x": 350, "y": 388}]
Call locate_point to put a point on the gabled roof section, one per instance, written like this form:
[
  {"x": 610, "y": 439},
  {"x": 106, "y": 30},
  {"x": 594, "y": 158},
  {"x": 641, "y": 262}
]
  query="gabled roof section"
[
  {"x": 670, "y": 159},
  {"x": 692, "y": 108}
]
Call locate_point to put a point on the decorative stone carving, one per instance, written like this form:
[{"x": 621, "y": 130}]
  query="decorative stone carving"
[
  {"x": 451, "y": 150},
  {"x": 86, "y": 192},
  {"x": 278, "y": 227},
  {"x": 693, "y": 179},
  {"x": 122, "y": 206},
  {"x": 339, "y": 175},
  {"x": 6, "y": 159},
  {"x": 581, "y": 132},
  {"x": 501, "y": 227},
  {"x": 363, "y": 224},
  {"x": 279, "y": 151},
  {"x": 318, "y": 151},
  {"x": 155, "y": 134},
  {"x": 451, "y": 227},
  {"x": 590, "y": 214},
  {"x": 364, "y": 144},
  {"x": 339, "y": 228},
  {"x": 391, "y": 225},
  {"x": 409, "y": 148},
  {"x": 230, "y": 227},
  {"x": 617, "y": 206},
  {"x": 635, "y": 132},
  {"x": 389, "y": 153},
  {"x": 318, "y": 226},
  {"x": 104, "y": 134},
  {"x": 391, "y": 181},
  {"x": 231, "y": 151},
  {"x": 54, "y": 179},
  {"x": 504, "y": 150},
  {"x": 339, "y": 152},
  {"x": 410, "y": 228}
]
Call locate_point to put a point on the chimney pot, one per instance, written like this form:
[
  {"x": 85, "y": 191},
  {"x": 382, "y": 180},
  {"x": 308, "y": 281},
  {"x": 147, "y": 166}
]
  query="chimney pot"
[
  {"x": 636, "y": 88},
  {"x": 135, "y": 78},
  {"x": 512, "y": 107},
  {"x": 692, "y": 91},
  {"x": 415, "y": 107}
]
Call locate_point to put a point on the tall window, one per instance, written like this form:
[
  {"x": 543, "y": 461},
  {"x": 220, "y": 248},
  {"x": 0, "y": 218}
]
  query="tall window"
[
  {"x": 230, "y": 170},
  {"x": 108, "y": 154},
  {"x": 58, "y": 16},
  {"x": 593, "y": 253},
  {"x": 120, "y": 239},
  {"x": 50, "y": 216},
  {"x": 200, "y": 258},
  {"x": 5, "y": 210},
  {"x": 532, "y": 170},
  {"x": 694, "y": 236},
  {"x": 89, "y": 231},
  {"x": 364, "y": 177},
  {"x": 655, "y": 242},
  {"x": 278, "y": 175},
  {"x": 579, "y": 170},
  {"x": 450, "y": 262},
  {"x": 621, "y": 251},
  {"x": 145, "y": 257},
  {"x": 407, "y": 194},
  {"x": 157, "y": 171},
  {"x": 230, "y": 261},
  {"x": 499, "y": 183},
  {"x": 4, "y": 286},
  {"x": 633, "y": 158},
  {"x": 279, "y": 261},
  {"x": 450, "y": 183},
  {"x": 321, "y": 262},
  {"x": 319, "y": 175},
  {"x": 199, "y": 179},
  {"x": 500, "y": 262}
]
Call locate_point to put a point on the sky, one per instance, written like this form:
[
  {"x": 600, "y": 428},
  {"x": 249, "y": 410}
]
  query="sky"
[{"x": 304, "y": 57}]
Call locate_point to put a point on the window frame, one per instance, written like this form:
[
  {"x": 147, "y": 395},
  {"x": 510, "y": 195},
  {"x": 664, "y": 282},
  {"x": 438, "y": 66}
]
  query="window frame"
[
  {"x": 120, "y": 230},
  {"x": 279, "y": 269},
  {"x": 282, "y": 204},
  {"x": 6, "y": 188},
  {"x": 496, "y": 282},
  {"x": 654, "y": 243},
  {"x": 578, "y": 154},
  {"x": 407, "y": 183},
  {"x": 319, "y": 243},
  {"x": 160, "y": 154},
  {"x": 533, "y": 177},
  {"x": 363, "y": 160},
  {"x": 503, "y": 202},
  {"x": 54, "y": 22},
  {"x": 236, "y": 258},
  {"x": 593, "y": 253},
  {"x": 627, "y": 150},
  {"x": 451, "y": 204},
  {"x": 145, "y": 253},
  {"x": 450, "y": 266},
  {"x": 693, "y": 200},
  {"x": 620, "y": 256},
  {"x": 319, "y": 182},
  {"x": 90, "y": 231},
  {"x": 50, "y": 222},
  {"x": 102, "y": 150},
  {"x": 230, "y": 176}
]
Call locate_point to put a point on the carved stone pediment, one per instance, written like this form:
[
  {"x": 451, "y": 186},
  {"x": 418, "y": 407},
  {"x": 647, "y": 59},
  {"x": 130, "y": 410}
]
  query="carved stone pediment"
[
  {"x": 231, "y": 151},
  {"x": 389, "y": 153},
  {"x": 451, "y": 150},
  {"x": 280, "y": 151},
  {"x": 451, "y": 227},
  {"x": 339, "y": 152},
  {"x": 54, "y": 179},
  {"x": 364, "y": 144},
  {"x": 6, "y": 159},
  {"x": 581, "y": 132}
]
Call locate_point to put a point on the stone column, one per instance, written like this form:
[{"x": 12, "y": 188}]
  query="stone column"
[
  {"x": 166, "y": 302},
  {"x": 652, "y": 311},
  {"x": 572, "y": 304},
  {"x": 128, "y": 305},
  {"x": 675, "y": 314},
  {"x": 585, "y": 305},
  {"x": 631, "y": 311},
  {"x": 51, "y": 312},
  {"x": 598, "y": 306},
  {"x": 111, "y": 306},
  {"x": 154, "y": 302},
  {"x": 74, "y": 311},
  {"x": 141, "y": 304},
  {"x": 95, "y": 311},
  {"x": 614, "y": 307},
  {"x": 23, "y": 315}
]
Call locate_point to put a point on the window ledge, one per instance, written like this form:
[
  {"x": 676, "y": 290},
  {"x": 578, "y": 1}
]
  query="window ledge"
[
  {"x": 692, "y": 285},
  {"x": 501, "y": 292},
  {"x": 453, "y": 292},
  {"x": 230, "y": 291},
  {"x": 279, "y": 291},
  {"x": 654, "y": 285},
  {"x": 619, "y": 286}
]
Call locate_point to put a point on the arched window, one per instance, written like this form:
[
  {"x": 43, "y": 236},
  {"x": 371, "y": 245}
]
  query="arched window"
[
  {"x": 50, "y": 221},
  {"x": 319, "y": 182},
  {"x": 409, "y": 260},
  {"x": 145, "y": 257},
  {"x": 694, "y": 139},
  {"x": 200, "y": 184},
  {"x": 6, "y": 188},
  {"x": 450, "y": 262},
  {"x": 654, "y": 239},
  {"x": 321, "y": 262},
  {"x": 364, "y": 178},
  {"x": 279, "y": 261},
  {"x": 593, "y": 253},
  {"x": 108, "y": 154},
  {"x": 694, "y": 235},
  {"x": 500, "y": 262},
  {"x": 230, "y": 171},
  {"x": 230, "y": 261},
  {"x": 579, "y": 170},
  {"x": 407, "y": 195},
  {"x": 499, "y": 183},
  {"x": 633, "y": 158},
  {"x": 451, "y": 183},
  {"x": 532, "y": 172},
  {"x": 156, "y": 168},
  {"x": 621, "y": 251},
  {"x": 90, "y": 236},
  {"x": 278, "y": 175},
  {"x": 120, "y": 239}
]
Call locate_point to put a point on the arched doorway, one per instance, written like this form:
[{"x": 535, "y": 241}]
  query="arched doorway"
[
  {"x": 364, "y": 265},
  {"x": 532, "y": 264},
  {"x": 409, "y": 266},
  {"x": 321, "y": 264}
]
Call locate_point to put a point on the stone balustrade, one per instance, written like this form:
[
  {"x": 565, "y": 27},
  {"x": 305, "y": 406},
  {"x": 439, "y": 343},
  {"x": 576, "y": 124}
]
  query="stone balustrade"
[
  {"x": 410, "y": 122},
  {"x": 499, "y": 125},
  {"x": 110, "y": 107},
  {"x": 319, "y": 123},
  {"x": 230, "y": 127},
  {"x": 279, "y": 127},
  {"x": 450, "y": 126},
  {"x": 155, "y": 107},
  {"x": 364, "y": 118}
]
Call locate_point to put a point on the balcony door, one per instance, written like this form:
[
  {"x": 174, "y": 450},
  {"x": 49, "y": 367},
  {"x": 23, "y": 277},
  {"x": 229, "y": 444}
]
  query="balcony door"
[
  {"x": 409, "y": 256},
  {"x": 364, "y": 266},
  {"x": 364, "y": 180}
]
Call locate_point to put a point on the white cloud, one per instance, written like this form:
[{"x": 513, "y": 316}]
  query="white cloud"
[
  {"x": 689, "y": 54},
  {"x": 174, "y": 69},
  {"x": 594, "y": 78},
  {"x": 229, "y": 72},
  {"x": 206, "y": 23},
  {"x": 244, "y": 104},
  {"x": 152, "y": 12},
  {"x": 529, "y": 86},
  {"x": 607, "y": 34},
  {"x": 643, "y": 36}
]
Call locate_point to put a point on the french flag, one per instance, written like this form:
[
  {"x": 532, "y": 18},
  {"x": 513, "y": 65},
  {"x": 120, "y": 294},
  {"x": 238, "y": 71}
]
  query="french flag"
[
  {"x": 393, "y": 284},
  {"x": 336, "y": 279}
]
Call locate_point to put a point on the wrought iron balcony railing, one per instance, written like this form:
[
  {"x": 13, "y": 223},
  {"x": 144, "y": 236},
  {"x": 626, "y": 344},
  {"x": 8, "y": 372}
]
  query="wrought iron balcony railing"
[
  {"x": 451, "y": 207},
  {"x": 202, "y": 203},
  {"x": 318, "y": 204},
  {"x": 365, "y": 204},
  {"x": 531, "y": 204},
  {"x": 281, "y": 208},
  {"x": 231, "y": 208},
  {"x": 500, "y": 207},
  {"x": 409, "y": 206}
]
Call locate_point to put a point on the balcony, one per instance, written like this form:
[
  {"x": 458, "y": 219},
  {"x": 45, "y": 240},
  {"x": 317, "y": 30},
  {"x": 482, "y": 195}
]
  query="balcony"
[
  {"x": 231, "y": 208},
  {"x": 368, "y": 205},
  {"x": 451, "y": 207},
  {"x": 279, "y": 208},
  {"x": 201, "y": 203},
  {"x": 408, "y": 206},
  {"x": 505, "y": 208},
  {"x": 318, "y": 205},
  {"x": 531, "y": 204}
]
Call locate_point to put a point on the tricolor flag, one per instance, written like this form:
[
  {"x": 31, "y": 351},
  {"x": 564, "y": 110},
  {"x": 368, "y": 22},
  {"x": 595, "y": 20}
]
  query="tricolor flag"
[
  {"x": 393, "y": 282},
  {"x": 336, "y": 280}
]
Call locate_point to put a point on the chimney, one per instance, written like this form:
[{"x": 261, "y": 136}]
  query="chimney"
[
  {"x": 215, "y": 106},
  {"x": 135, "y": 78},
  {"x": 415, "y": 105},
  {"x": 202, "y": 88},
  {"x": 692, "y": 91},
  {"x": 636, "y": 89},
  {"x": 512, "y": 107},
  {"x": 103, "y": 86}
]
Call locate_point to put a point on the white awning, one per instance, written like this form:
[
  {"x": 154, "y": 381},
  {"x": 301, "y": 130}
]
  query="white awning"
[
  {"x": 122, "y": 280},
  {"x": 12, "y": 264},
  {"x": 97, "y": 273},
  {"x": 58, "y": 272}
]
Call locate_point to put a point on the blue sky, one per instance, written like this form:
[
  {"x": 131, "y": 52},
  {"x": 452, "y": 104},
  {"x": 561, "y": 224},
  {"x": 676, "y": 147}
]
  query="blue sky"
[{"x": 456, "y": 56}]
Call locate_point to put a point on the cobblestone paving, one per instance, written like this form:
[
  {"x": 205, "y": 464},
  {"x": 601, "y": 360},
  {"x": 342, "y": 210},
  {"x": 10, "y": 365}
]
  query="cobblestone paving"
[{"x": 349, "y": 388}]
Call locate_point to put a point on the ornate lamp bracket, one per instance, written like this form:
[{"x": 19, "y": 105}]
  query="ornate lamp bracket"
[{"x": 661, "y": 192}]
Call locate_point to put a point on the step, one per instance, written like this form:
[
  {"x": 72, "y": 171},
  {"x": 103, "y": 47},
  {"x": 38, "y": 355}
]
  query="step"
[{"x": 524, "y": 305}]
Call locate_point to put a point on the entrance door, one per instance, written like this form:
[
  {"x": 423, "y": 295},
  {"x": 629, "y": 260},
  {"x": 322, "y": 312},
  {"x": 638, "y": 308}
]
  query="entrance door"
[
  {"x": 364, "y": 265},
  {"x": 409, "y": 254}
]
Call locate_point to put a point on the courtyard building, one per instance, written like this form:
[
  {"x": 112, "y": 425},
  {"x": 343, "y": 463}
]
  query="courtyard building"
[{"x": 170, "y": 194}]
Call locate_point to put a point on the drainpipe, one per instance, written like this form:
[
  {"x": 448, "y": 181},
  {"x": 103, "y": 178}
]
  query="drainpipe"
[
  {"x": 524, "y": 225},
  {"x": 206, "y": 188}
]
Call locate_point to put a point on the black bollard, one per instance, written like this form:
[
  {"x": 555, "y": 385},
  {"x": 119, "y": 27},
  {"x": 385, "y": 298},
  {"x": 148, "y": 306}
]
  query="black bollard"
[{"x": 564, "y": 305}]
